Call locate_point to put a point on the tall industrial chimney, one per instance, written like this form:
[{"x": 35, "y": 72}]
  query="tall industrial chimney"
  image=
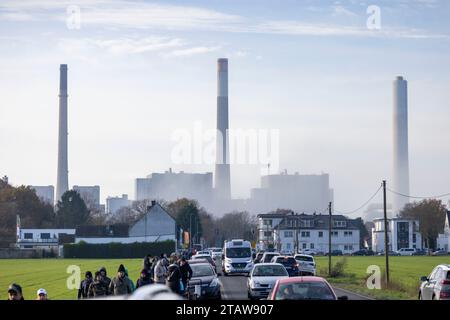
[
  {"x": 62, "y": 183},
  {"x": 222, "y": 172},
  {"x": 401, "y": 161}
]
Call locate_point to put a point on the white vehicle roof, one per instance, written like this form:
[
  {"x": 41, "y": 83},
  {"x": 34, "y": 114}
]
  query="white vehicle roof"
[
  {"x": 200, "y": 255},
  {"x": 304, "y": 255},
  {"x": 237, "y": 243}
]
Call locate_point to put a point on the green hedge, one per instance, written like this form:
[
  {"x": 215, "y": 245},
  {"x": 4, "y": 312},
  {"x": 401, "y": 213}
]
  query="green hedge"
[{"x": 118, "y": 250}]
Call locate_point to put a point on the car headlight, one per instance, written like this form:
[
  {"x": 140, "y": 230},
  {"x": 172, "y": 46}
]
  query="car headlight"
[
  {"x": 214, "y": 283},
  {"x": 254, "y": 284}
]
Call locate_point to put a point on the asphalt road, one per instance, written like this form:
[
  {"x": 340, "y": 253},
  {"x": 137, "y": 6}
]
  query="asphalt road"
[{"x": 234, "y": 287}]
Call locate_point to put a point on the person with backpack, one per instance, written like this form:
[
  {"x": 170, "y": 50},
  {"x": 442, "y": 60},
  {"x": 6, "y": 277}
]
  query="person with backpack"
[
  {"x": 173, "y": 278},
  {"x": 98, "y": 287},
  {"x": 83, "y": 291}
]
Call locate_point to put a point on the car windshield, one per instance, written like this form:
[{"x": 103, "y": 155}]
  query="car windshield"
[
  {"x": 303, "y": 258},
  {"x": 216, "y": 250},
  {"x": 269, "y": 271},
  {"x": 201, "y": 270},
  {"x": 286, "y": 261},
  {"x": 269, "y": 257},
  {"x": 304, "y": 291},
  {"x": 238, "y": 253}
]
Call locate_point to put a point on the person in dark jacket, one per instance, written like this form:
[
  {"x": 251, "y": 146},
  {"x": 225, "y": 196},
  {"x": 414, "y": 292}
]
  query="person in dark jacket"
[
  {"x": 173, "y": 278},
  {"x": 120, "y": 284},
  {"x": 144, "y": 279},
  {"x": 148, "y": 262},
  {"x": 186, "y": 272},
  {"x": 98, "y": 287},
  {"x": 83, "y": 291},
  {"x": 105, "y": 278}
]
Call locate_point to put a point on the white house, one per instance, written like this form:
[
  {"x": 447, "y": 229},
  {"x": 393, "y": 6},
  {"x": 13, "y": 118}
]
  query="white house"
[
  {"x": 402, "y": 233},
  {"x": 296, "y": 232},
  {"x": 41, "y": 238},
  {"x": 443, "y": 240}
]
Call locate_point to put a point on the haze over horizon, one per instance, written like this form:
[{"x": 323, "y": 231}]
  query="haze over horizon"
[{"x": 140, "y": 70}]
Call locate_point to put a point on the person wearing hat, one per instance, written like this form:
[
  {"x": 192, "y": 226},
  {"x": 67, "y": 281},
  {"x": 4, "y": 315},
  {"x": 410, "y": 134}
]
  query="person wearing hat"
[
  {"x": 15, "y": 292},
  {"x": 119, "y": 284},
  {"x": 41, "y": 294},
  {"x": 105, "y": 278},
  {"x": 83, "y": 291},
  {"x": 144, "y": 279},
  {"x": 97, "y": 288}
]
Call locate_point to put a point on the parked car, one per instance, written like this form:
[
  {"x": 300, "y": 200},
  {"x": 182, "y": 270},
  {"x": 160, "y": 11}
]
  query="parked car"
[
  {"x": 289, "y": 263},
  {"x": 336, "y": 253},
  {"x": 311, "y": 252},
  {"x": 437, "y": 285},
  {"x": 390, "y": 253},
  {"x": 406, "y": 251},
  {"x": 215, "y": 252},
  {"x": 206, "y": 257},
  {"x": 440, "y": 252},
  {"x": 205, "y": 276},
  {"x": 363, "y": 252},
  {"x": 420, "y": 252},
  {"x": 303, "y": 288},
  {"x": 262, "y": 278},
  {"x": 306, "y": 264},
  {"x": 267, "y": 256}
]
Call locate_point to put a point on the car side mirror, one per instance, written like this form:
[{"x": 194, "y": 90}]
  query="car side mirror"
[
  {"x": 424, "y": 279},
  {"x": 343, "y": 298}
]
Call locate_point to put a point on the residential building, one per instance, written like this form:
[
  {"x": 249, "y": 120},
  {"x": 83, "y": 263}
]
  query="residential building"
[
  {"x": 443, "y": 240},
  {"x": 293, "y": 232},
  {"x": 43, "y": 238},
  {"x": 402, "y": 233}
]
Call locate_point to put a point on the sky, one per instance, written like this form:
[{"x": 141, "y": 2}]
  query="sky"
[{"x": 319, "y": 73}]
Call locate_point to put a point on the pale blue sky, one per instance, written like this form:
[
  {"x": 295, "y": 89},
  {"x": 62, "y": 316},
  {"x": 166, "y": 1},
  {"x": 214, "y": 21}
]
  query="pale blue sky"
[{"x": 138, "y": 70}]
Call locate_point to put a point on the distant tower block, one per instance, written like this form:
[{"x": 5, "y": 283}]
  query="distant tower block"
[
  {"x": 222, "y": 172},
  {"x": 62, "y": 183},
  {"x": 400, "y": 181}
]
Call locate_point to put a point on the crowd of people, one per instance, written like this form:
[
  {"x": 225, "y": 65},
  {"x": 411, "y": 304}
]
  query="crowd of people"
[{"x": 173, "y": 271}]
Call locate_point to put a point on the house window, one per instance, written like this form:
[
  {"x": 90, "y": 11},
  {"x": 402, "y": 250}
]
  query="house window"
[
  {"x": 320, "y": 234},
  {"x": 334, "y": 233},
  {"x": 414, "y": 238},
  {"x": 348, "y": 233},
  {"x": 267, "y": 234},
  {"x": 304, "y": 245},
  {"x": 288, "y": 234},
  {"x": 267, "y": 222},
  {"x": 288, "y": 246},
  {"x": 305, "y": 234},
  {"x": 311, "y": 245},
  {"x": 45, "y": 235},
  {"x": 339, "y": 224},
  {"x": 28, "y": 235}
]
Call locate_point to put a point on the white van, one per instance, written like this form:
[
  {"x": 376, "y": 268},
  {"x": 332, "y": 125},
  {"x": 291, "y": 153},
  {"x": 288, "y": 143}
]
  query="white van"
[
  {"x": 237, "y": 257},
  {"x": 406, "y": 251}
]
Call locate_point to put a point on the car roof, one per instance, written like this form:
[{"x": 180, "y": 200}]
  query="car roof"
[
  {"x": 445, "y": 266},
  {"x": 274, "y": 253},
  {"x": 201, "y": 255},
  {"x": 301, "y": 279},
  {"x": 285, "y": 257},
  {"x": 200, "y": 263},
  {"x": 304, "y": 255},
  {"x": 268, "y": 264},
  {"x": 197, "y": 261}
]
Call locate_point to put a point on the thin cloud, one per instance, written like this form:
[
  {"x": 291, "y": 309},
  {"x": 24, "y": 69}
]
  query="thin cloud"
[{"x": 192, "y": 51}]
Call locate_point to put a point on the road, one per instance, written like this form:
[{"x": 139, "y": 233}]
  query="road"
[{"x": 234, "y": 287}]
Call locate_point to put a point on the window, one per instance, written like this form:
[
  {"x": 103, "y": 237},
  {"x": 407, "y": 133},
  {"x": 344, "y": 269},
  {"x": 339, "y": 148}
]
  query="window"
[
  {"x": 334, "y": 233},
  {"x": 348, "y": 233},
  {"x": 320, "y": 234},
  {"x": 305, "y": 234},
  {"x": 339, "y": 224},
  {"x": 288, "y": 234},
  {"x": 267, "y": 234},
  {"x": 414, "y": 238},
  {"x": 304, "y": 245},
  {"x": 311, "y": 245},
  {"x": 267, "y": 222},
  {"x": 28, "y": 235},
  {"x": 288, "y": 246},
  {"x": 45, "y": 235}
]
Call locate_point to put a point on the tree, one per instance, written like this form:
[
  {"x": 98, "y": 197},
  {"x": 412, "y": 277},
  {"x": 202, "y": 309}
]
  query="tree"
[
  {"x": 431, "y": 215},
  {"x": 237, "y": 225},
  {"x": 363, "y": 232},
  {"x": 186, "y": 213},
  {"x": 71, "y": 210},
  {"x": 32, "y": 211}
]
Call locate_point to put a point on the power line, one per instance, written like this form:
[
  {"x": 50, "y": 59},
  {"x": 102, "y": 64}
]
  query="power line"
[
  {"x": 363, "y": 205},
  {"x": 409, "y": 196}
]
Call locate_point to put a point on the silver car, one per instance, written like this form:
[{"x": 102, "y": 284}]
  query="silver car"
[{"x": 437, "y": 285}]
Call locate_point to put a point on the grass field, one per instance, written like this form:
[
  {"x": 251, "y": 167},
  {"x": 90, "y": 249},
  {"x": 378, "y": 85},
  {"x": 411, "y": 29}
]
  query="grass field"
[
  {"x": 52, "y": 275},
  {"x": 405, "y": 273}
]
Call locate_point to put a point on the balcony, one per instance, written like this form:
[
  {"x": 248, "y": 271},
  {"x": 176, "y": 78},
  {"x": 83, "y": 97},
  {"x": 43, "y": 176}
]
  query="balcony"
[{"x": 42, "y": 241}]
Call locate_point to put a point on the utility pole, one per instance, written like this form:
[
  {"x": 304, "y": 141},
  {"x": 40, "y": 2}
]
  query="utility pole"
[
  {"x": 190, "y": 231},
  {"x": 386, "y": 236},
  {"x": 329, "y": 239}
]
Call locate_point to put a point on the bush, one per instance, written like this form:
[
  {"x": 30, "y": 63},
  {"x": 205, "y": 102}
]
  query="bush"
[
  {"x": 117, "y": 250},
  {"x": 337, "y": 270}
]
